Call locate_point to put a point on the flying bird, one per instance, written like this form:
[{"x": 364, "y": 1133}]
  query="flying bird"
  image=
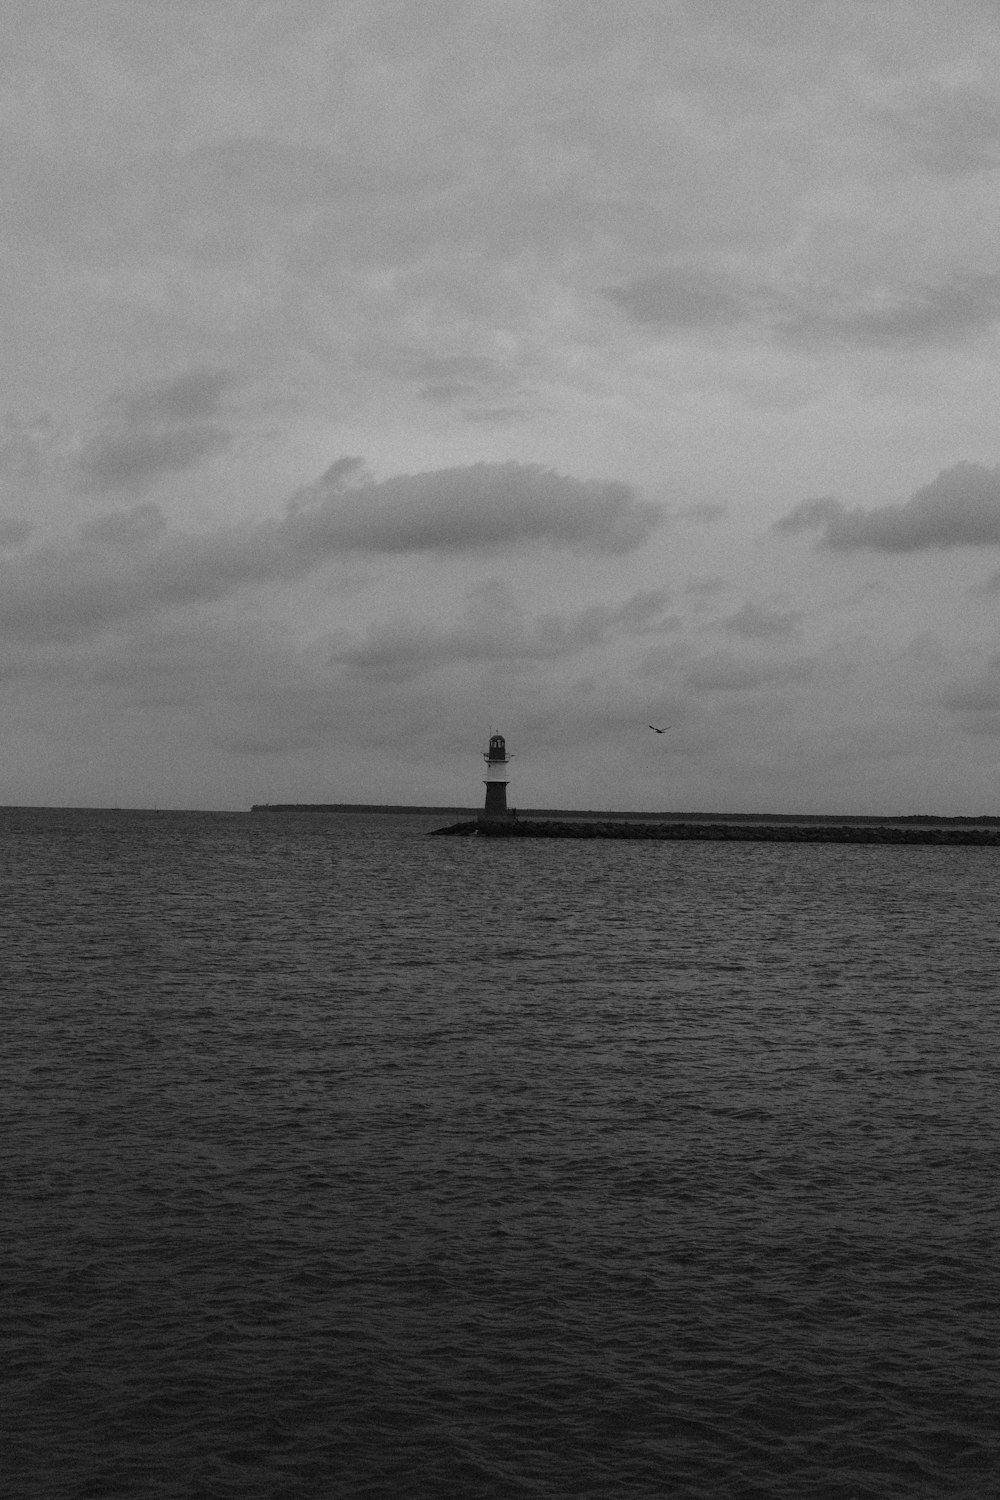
[{"x": 659, "y": 731}]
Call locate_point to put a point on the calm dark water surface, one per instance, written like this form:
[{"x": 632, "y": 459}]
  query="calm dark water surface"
[{"x": 340, "y": 1161}]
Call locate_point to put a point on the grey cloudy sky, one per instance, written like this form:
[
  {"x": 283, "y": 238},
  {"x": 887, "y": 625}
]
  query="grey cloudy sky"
[{"x": 375, "y": 374}]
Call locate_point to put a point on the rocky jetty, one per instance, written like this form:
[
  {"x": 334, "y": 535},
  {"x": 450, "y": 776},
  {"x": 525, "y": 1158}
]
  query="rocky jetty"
[{"x": 773, "y": 833}]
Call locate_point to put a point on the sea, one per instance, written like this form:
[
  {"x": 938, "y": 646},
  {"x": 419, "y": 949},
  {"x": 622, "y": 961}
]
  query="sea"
[{"x": 342, "y": 1161}]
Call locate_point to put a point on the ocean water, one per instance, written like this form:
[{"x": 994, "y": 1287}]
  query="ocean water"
[{"x": 342, "y": 1161}]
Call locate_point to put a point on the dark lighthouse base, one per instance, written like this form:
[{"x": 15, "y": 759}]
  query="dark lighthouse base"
[{"x": 495, "y": 809}]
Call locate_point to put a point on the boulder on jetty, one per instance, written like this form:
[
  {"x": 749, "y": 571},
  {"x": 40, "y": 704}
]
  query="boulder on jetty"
[{"x": 777, "y": 833}]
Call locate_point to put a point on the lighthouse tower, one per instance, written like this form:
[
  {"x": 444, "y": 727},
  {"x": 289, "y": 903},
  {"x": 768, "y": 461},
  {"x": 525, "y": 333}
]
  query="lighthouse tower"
[{"x": 496, "y": 759}]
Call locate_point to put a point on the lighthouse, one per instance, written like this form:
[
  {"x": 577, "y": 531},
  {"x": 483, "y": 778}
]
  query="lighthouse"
[{"x": 496, "y": 759}]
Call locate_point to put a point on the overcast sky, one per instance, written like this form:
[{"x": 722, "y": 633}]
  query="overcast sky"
[{"x": 377, "y": 374}]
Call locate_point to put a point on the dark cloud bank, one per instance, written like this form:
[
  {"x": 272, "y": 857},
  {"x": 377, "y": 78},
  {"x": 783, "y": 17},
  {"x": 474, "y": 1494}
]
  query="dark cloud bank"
[
  {"x": 960, "y": 508},
  {"x": 684, "y": 297},
  {"x": 472, "y": 508},
  {"x": 164, "y": 427},
  {"x": 129, "y": 563}
]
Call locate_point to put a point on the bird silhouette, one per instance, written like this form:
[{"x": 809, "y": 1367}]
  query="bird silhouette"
[{"x": 659, "y": 731}]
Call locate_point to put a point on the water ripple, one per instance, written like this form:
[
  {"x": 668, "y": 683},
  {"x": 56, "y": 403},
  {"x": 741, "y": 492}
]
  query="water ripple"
[{"x": 344, "y": 1162}]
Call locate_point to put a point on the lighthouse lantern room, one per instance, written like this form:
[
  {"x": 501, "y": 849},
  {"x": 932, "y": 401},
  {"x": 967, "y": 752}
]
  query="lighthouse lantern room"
[{"x": 496, "y": 759}]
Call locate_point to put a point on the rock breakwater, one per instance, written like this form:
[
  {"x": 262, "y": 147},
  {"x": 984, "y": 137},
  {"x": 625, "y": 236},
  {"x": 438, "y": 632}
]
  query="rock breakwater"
[{"x": 777, "y": 833}]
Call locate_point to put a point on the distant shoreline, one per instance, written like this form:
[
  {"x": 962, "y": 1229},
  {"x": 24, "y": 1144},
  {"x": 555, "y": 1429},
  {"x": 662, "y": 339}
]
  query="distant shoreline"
[
  {"x": 579, "y": 817},
  {"x": 855, "y": 820}
]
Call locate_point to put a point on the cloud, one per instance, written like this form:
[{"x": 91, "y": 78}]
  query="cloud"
[
  {"x": 495, "y": 629},
  {"x": 14, "y": 531},
  {"x": 129, "y": 563},
  {"x": 897, "y": 317},
  {"x": 960, "y": 508},
  {"x": 945, "y": 129},
  {"x": 882, "y": 315},
  {"x": 161, "y": 428},
  {"x": 683, "y": 296},
  {"x": 704, "y": 513},
  {"x": 125, "y": 529},
  {"x": 475, "y": 508},
  {"x": 134, "y": 461},
  {"x": 724, "y": 673},
  {"x": 191, "y": 396},
  {"x": 756, "y": 622},
  {"x": 481, "y": 383},
  {"x": 25, "y": 445},
  {"x": 976, "y": 699},
  {"x": 810, "y": 515},
  {"x": 978, "y": 694},
  {"x": 702, "y": 589},
  {"x": 987, "y": 588}
]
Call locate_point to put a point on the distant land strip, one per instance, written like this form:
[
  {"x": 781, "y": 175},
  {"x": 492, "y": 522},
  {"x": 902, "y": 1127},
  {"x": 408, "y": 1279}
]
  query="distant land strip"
[
  {"x": 651, "y": 820},
  {"x": 369, "y": 807}
]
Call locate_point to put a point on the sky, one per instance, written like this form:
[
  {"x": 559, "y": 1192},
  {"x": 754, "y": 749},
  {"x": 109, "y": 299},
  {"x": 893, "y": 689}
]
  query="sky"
[{"x": 379, "y": 374}]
